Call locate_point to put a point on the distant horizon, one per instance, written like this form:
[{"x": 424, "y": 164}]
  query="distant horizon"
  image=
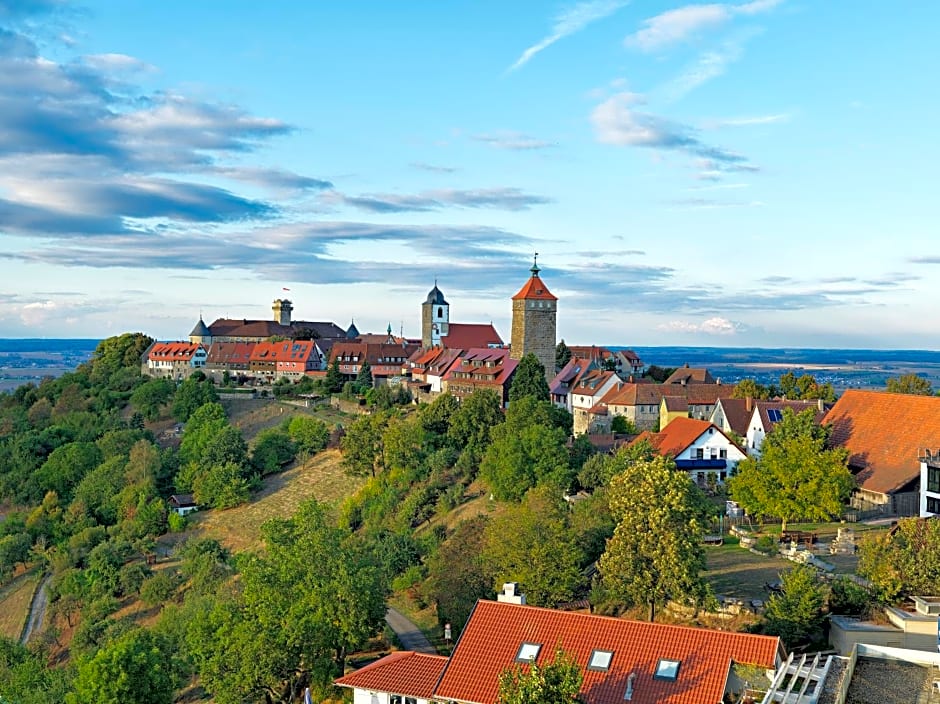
[{"x": 689, "y": 174}]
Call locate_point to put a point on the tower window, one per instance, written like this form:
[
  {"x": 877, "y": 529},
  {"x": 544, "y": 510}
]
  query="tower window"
[{"x": 440, "y": 312}]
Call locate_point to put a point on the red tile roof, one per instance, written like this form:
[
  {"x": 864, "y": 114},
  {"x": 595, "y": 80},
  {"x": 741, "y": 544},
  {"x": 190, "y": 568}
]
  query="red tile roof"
[
  {"x": 487, "y": 367},
  {"x": 677, "y": 435},
  {"x": 687, "y": 375},
  {"x": 534, "y": 290},
  {"x": 884, "y": 434},
  {"x": 737, "y": 413},
  {"x": 780, "y": 404},
  {"x": 173, "y": 351},
  {"x": 492, "y": 636},
  {"x": 652, "y": 394},
  {"x": 406, "y": 673},
  {"x": 284, "y": 351},
  {"x": 467, "y": 335},
  {"x": 230, "y": 353}
]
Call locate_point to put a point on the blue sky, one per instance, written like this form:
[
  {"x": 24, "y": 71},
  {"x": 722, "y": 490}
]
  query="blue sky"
[{"x": 746, "y": 173}]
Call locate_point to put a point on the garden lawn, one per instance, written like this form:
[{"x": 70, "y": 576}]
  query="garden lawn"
[{"x": 735, "y": 572}]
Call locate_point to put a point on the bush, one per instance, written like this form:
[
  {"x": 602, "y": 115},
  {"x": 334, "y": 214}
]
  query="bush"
[
  {"x": 766, "y": 544},
  {"x": 159, "y": 588},
  {"x": 848, "y": 597},
  {"x": 176, "y": 522}
]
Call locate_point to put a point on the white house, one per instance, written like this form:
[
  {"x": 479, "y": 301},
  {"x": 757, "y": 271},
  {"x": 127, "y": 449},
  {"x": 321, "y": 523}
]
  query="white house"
[{"x": 766, "y": 414}]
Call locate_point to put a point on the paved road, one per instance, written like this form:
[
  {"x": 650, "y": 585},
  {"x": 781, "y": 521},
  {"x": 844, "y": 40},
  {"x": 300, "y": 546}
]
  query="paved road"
[
  {"x": 409, "y": 634},
  {"x": 37, "y": 610}
]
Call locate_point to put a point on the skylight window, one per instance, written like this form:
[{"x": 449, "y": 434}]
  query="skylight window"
[
  {"x": 774, "y": 415},
  {"x": 528, "y": 652},
  {"x": 600, "y": 660},
  {"x": 667, "y": 669}
]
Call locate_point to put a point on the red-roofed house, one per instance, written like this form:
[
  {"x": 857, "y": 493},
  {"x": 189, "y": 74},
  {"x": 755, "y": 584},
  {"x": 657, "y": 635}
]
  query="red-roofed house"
[
  {"x": 469, "y": 335},
  {"x": 404, "y": 677},
  {"x": 886, "y": 435},
  {"x": 686, "y": 375},
  {"x": 287, "y": 358},
  {"x": 733, "y": 415},
  {"x": 625, "y": 362},
  {"x": 586, "y": 393},
  {"x": 386, "y": 360},
  {"x": 698, "y": 447},
  {"x": 621, "y": 661},
  {"x": 428, "y": 368},
  {"x": 231, "y": 357},
  {"x": 481, "y": 369},
  {"x": 174, "y": 360}
]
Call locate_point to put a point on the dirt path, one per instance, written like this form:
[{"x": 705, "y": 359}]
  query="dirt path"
[
  {"x": 408, "y": 633},
  {"x": 37, "y": 610}
]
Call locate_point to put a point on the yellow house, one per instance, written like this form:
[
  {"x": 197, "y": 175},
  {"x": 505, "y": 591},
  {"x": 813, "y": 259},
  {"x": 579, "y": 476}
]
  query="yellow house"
[{"x": 672, "y": 407}]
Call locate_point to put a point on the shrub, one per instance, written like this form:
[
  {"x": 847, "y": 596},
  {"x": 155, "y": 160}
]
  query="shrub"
[
  {"x": 766, "y": 544},
  {"x": 848, "y": 597}
]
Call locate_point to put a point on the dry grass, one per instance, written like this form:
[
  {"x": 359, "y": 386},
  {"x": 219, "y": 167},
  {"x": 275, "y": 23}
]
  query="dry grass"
[
  {"x": 15, "y": 600},
  {"x": 252, "y": 415},
  {"x": 321, "y": 478}
]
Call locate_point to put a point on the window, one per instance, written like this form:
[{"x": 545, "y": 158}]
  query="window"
[
  {"x": 399, "y": 699},
  {"x": 700, "y": 453},
  {"x": 440, "y": 312},
  {"x": 667, "y": 669},
  {"x": 933, "y": 479},
  {"x": 600, "y": 660},
  {"x": 933, "y": 505},
  {"x": 774, "y": 415},
  {"x": 723, "y": 453},
  {"x": 528, "y": 652}
]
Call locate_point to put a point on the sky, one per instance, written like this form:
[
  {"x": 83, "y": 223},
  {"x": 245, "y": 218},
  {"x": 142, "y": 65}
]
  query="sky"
[{"x": 756, "y": 173}]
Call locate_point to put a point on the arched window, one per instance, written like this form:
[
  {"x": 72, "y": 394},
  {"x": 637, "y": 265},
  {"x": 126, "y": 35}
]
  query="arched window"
[{"x": 440, "y": 312}]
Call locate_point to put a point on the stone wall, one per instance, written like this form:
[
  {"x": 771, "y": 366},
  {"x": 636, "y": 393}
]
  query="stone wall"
[{"x": 533, "y": 330}]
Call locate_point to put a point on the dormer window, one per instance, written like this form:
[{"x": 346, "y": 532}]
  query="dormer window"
[
  {"x": 528, "y": 652},
  {"x": 667, "y": 669}
]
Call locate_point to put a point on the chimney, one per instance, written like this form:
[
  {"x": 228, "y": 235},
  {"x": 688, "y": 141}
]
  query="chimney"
[
  {"x": 628, "y": 695},
  {"x": 511, "y": 594},
  {"x": 821, "y": 405},
  {"x": 748, "y": 404}
]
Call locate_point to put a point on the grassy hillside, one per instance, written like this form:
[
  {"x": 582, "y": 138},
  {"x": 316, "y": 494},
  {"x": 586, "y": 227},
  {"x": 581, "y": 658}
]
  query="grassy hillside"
[{"x": 15, "y": 599}]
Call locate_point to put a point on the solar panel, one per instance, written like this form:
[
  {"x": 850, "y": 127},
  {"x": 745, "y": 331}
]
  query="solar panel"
[{"x": 775, "y": 415}]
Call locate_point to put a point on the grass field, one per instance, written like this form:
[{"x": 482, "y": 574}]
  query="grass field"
[
  {"x": 15, "y": 600},
  {"x": 321, "y": 478},
  {"x": 736, "y": 572}
]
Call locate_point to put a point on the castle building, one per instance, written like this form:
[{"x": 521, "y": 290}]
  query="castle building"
[
  {"x": 435, "y": 318},
  {"x": 534, "y": 311}
]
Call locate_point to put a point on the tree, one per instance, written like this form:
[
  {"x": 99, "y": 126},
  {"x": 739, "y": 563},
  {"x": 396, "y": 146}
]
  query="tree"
[
  {"x": 115, "y": 353},
  {"x": 555, "y": 682},
  {"x": 151, "y": 396},
  {"x": 795, "y": 614},
  {"x": 25, "y": 678},
  {"x": 526, "y": 450},
  {"x": 909, "y": 384},
  {"x": 139, "y": 667},
  {"x": 362, "y": 444},
  {"x": 273, "y": 450},
  {"x": 562, "y": 355},
  {"x": 529, "y": 380},
  {"x": 533, "y": 544},
  {"x": 456, "y": 574},
  {"x": 624, "y": 426},
  {"x": 795, "y": 477},
  {"x": 904, "y": 561},
  {"x": 333, "y": 381},
  {"x": 364, "y": 377},
  {"x": 66, "y": 467},
  {"x": 221, "y": 486},
  {"x": 805, "y": 387},
  {"x": 190, "y": 395},
  {"x": 658, "y": 374},
  {"x": 472, "y": 423},
  {"x": 656, "y": 551},
  {"x": 310, "y": 435},
  {"x": 749, "y": 388}
]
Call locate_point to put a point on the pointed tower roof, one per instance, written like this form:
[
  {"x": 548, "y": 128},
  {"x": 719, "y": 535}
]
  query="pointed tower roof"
[
  {"x": 352, "y": 332},
  {"x": 535, "y": 289},
  {"x": 435, "y": 297},
  {"x": 200, "y": 330}
]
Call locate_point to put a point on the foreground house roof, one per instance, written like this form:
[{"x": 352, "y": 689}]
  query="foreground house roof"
[
  {"x": 404, "y": 672},
  {"x": 884, "y": 434},
  {"x": 496, "y": 631},
  {"x": 676, "y": 437}
]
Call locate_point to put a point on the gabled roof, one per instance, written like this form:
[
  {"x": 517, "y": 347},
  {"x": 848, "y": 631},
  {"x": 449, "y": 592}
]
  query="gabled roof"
[
  {"x": 283, "y": 351},
  {"x": 676, "y": 403},
  {"x": 488, "y": 367},
  {"x": 230, "y": 327},
  {"x": 406, "y": 673},
  {"x": 534, "y": 290},
  {"x": 884, "y": 434},
  {"x": 639, "y": 394},
  {"x": 173, "y": 351},
  {"x": 467, "y": 335},
  {"x": 591, "y": 382},
  {"x": 493, "y": 635},
  {"x": 768, "y": 422},
  {"x": 678, "y": 435},
  {"x": 230, "y": 352},
  {"x": 568, "y": 375},
  {"x": 737, "y": 414},
  {"x": 687, "y": 375}
]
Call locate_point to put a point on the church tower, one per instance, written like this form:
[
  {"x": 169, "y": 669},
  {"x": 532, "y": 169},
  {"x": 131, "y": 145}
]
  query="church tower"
[
  {"x": 282, "y": 310},
  {"x": 534, "y": 311},
  {"x": 435, "y": 318}
]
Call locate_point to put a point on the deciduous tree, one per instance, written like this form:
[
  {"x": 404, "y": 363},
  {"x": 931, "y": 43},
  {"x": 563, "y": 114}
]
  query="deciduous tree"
[
  {"x": 562, "y": 355},
  {"x": 656, "y": 551},
  {"x": 529, "y": 380},
  {"x": 795, "y": 614},
  {"x": 904, "y": 561},
  {"x": 555, "y": 682},
  {"x": 457, "y": 577},
  {"x": 909, "y": 384}
]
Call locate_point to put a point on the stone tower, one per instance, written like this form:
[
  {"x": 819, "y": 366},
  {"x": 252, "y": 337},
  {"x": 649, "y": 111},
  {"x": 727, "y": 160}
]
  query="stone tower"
[
  {"x": 282, "y": 310},
  {"x": 534, "y": 311},
  {"x": 435, "y": 318}
]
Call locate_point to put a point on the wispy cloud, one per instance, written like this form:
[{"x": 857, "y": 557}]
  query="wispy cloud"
[
  {"x": 514, "y": 141},
  {"x": 751, "y": 121},
  {"x": 928, "y": 259},
  {"x": 683, "y": 23},
  {"x": 497, "y": 198},
  {"x": 569, "y": 22},
  {"x": 708, "y": 66},
  {"x": 618, "y": 121},
  {"x": 433, "y": 168},
  {"x": 713, "y": 326}
]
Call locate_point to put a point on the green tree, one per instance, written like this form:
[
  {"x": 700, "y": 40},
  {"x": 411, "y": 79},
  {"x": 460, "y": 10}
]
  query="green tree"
[
  {"x": 116, "y": 353},
  {"x": 656, "y": 551},
  {"x": 151, "y": 396},
  {"x": 333, "y": 381},
  {"x": 204, "y": 424},
  {"x": 904, "y": 561},
  {"x": 273, "y": 450},
  {"x": 362, "y": 447},
  {"x": 14, "y": 548},
  {"x": 472, "y": 424},
  {"x": 795, "y": 614},
  {"x": 562, "y": 355},
  {"x": 191, "y": 395},
  {"x": 533, "y": 544},
  {"x": 66, "y": 467},
  {"x": 623, "y": 426},
  {"x": 310, "y": 435},
  {"x": 221, "y": 486},
  {"x": 364, "y": 377},
  {"x": 529, "y": 380},
  {"x": 658, "y": 374},
  {"x": 526, "y": 450},
  {"x": 749, "y": 388},
  {"x": 139, "y": 667},
  {"x": 795, "y": 477},
  {"x": 25, "y": 678},
  {"x": 555, "y": 682},
  {"x": 805, "y": 387},
  {"x": 457, "y": 577},
  {"x": 909, "y": 384}
]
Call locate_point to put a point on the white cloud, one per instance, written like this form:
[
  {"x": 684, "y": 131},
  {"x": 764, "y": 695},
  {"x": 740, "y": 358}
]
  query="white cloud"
[
  {"x": 569, "y": 22},
  {"x": 683, "y": 23},
  {"x": 713, "y": 326},
  {"x": 709, "y": 65},
  {"x": 749, "y": 121}
]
